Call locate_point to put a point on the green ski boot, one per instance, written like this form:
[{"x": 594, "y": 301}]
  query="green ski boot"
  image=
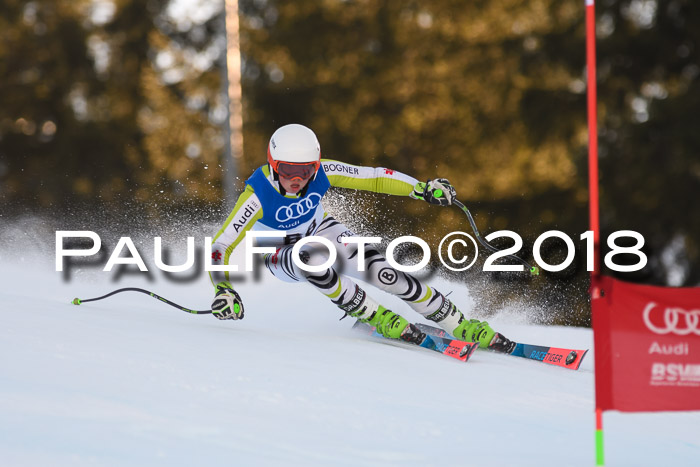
[
  {"x": 394, "y": 326},
  {"x": 474, "y": 330},
  {"x": 387, "y": 323}
]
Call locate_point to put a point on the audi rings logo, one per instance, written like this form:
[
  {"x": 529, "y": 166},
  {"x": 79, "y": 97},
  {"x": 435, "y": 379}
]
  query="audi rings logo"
[
  {"x": 298, "y": 209},
  {"x": 675, "y": 320}
]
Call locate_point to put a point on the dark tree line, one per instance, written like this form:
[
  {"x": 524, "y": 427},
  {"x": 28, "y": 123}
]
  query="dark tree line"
[{"x": 124, "y": 107}]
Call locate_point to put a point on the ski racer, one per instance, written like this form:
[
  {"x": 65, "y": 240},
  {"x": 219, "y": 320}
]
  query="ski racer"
[{"x": 285, "y": 195}]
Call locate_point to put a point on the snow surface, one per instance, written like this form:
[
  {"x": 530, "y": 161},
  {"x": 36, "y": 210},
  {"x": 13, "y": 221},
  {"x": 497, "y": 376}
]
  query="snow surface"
[{"x": 131, "y": 381}]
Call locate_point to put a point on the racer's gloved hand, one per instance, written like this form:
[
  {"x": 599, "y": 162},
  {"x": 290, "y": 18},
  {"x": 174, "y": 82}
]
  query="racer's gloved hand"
[
  {"x": 439, "y": 191},
  {"x": 227, "y": 303}
]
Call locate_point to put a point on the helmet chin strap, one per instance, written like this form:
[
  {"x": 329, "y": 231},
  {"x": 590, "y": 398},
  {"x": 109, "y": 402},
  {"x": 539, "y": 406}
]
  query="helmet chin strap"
[{"x": 303, "y": 191}]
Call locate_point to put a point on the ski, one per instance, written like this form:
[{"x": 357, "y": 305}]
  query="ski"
[
  {"x": 565, "y": 358},
  {"x": 451, "y": 347}
]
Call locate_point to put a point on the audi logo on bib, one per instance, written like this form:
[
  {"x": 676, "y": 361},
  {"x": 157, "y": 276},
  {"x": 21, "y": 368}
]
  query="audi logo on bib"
[
  {"x": 298, "y": 209},
  {"x": 671, "y": 320}
]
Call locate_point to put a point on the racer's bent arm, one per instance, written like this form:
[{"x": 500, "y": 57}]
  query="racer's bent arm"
[
  {"x": 374, "y": 179},
  {"x": 244, "y": 215}
]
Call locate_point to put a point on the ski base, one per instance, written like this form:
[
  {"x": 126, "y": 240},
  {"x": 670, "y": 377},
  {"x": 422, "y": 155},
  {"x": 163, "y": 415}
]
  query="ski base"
[
  {"x": 450, "y": 347},
  {"x": 565, "y": 358}
]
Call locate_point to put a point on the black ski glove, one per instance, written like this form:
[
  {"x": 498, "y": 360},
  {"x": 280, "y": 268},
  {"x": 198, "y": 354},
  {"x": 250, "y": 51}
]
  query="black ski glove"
[
  {"x": 227, "y": 303},
  {"x": 439, "y": 191}
]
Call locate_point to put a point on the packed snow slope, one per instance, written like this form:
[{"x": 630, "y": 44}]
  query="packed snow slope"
[{"x": 131, "y": 381}]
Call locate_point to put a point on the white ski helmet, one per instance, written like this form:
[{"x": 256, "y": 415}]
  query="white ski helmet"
[{"x": 294, "y": 151}]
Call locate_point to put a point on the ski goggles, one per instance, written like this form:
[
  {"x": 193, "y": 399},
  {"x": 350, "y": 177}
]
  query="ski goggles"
[{"x": 292, "y": 170}]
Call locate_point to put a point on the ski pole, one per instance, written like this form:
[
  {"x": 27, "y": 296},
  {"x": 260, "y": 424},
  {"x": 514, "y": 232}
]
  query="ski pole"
[
  {"x": 77, "y": 301},
  {"x": 534, "y": 270}
]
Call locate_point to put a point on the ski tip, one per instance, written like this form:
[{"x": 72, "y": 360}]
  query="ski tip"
[
  {"x": 572, "y": 359},
  {"x": 460, "y": 350},
  {"x": 575, "y": 358},
  {"x": 76, "y": 301},
  {"x": 471, "y": 349}
]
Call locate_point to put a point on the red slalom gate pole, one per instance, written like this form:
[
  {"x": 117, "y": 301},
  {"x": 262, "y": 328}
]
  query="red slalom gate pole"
[
  {"x": 593, "y": 213},
  {"x": 599, "y": 455}
]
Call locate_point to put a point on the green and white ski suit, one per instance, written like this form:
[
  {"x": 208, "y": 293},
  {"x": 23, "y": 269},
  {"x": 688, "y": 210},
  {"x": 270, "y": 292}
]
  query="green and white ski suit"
[{"x": 335, "y": 282}]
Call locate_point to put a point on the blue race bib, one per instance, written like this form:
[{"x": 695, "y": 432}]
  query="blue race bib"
[{"x": 282, "y": 213}]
